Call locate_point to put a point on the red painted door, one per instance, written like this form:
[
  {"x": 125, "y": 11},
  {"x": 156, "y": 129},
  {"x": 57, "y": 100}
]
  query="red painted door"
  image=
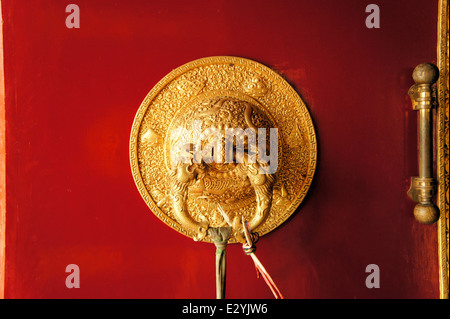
[{"x": 71, "y": 97}]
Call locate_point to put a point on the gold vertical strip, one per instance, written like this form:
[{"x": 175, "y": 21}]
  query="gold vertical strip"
[
  {"x": 443, "y": 146},
  {"x": 2, "y": 166}
]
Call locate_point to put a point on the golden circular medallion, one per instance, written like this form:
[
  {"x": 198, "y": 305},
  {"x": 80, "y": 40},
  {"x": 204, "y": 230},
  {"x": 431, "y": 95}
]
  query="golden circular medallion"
[{"x": 220, "y": 139}]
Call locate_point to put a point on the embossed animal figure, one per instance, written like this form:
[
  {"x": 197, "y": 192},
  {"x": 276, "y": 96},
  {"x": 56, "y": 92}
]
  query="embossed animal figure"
[{"x": 217, "y": 182}]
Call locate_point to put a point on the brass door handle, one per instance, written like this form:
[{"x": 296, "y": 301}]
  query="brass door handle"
[{"x": 423, "y": 187}]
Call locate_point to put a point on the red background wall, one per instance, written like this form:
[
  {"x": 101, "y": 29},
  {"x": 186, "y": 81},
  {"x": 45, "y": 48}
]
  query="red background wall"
[{"x": 71, "y": 96}]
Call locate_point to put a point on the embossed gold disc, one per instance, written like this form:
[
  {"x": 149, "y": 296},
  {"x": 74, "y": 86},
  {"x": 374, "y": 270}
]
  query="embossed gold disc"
[{"x": 218, "y": 95}]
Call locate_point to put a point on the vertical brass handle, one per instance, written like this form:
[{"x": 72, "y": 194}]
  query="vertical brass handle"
[{"x": 423, "y": 186}]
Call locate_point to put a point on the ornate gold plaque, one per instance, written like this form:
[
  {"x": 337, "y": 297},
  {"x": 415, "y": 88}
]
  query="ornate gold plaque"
[{"x": 181, "y": 127}]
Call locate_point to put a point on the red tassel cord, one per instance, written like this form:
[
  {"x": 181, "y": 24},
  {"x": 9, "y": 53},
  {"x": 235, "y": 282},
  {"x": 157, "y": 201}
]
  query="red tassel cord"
[{"x": 249, "y": 249}]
